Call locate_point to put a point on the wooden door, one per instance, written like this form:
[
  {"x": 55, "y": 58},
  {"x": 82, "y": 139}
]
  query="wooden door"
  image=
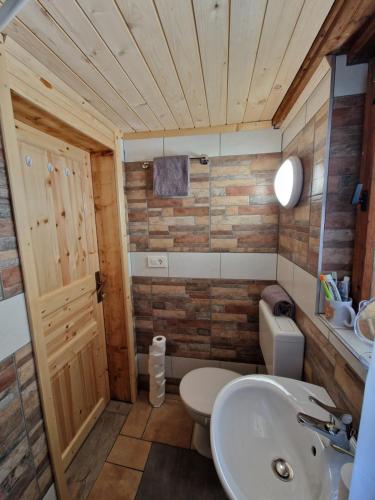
[{"x": 60, "y": 214}]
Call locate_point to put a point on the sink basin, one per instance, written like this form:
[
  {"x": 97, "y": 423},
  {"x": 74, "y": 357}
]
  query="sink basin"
[{"x": 259, "y": 449}]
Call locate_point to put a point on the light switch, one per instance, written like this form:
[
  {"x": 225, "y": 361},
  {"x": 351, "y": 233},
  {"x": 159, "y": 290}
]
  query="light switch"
[{"x": 157, "y": 261}]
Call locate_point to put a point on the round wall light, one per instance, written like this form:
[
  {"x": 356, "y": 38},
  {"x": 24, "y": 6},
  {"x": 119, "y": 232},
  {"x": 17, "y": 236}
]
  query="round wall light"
[{"x": 288, "y": 182}]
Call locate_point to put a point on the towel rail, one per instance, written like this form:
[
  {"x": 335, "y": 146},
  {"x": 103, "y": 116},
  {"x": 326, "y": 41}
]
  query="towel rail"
[{"x": 203, "y": 160}]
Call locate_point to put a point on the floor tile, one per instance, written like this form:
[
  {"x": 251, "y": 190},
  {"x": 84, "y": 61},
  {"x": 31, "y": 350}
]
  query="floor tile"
[
  {"x": 116, "y": 482},
  {"x": 129, "y": 452},
  {"x": 174, "y": 473},
  {"x": 170, "y": 424},
  {"x": 137, "y": 419},
  {"x": 86, "y": 465},
  {"x": 119, "y": 407}
]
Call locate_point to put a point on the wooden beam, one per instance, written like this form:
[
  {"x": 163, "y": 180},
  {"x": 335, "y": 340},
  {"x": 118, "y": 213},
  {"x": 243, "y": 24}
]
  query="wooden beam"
[
  {"x": 236, "y": 127},
  {"x": 363, "y": 45},
  {"x": 343, "y": 20},
  {"x": 364, "y": 249}
]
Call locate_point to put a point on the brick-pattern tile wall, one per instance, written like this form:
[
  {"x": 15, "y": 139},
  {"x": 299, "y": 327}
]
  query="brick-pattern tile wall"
[
  {"x": 343, "y": 173},
  {"x": 24, "y": 462},
  {"x": 324, "y": 366},
  {"x": 201, "y": 318},
  {"x": 10, "y": 273},
  {"x": 299, "y": 228},
  {"x": 231, "y": 208}
]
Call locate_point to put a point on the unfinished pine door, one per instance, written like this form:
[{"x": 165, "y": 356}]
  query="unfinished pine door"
[{"x": 58, "y": 192}]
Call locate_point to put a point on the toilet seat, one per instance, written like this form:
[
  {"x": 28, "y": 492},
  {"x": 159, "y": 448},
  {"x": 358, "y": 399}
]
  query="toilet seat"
[{"x": 199, "y": 388}]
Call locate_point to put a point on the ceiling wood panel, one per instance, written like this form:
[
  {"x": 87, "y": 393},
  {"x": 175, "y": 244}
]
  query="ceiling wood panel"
[
  {"x": 144, "y": 24},
  {"x": 29, "y": 42},
  {"x": 72, "y": 20},
  {"x": 279, "y": 23},
  {"x": 108, "y": 21},
  {"x": 22, "y": 66},
  {"x": 178, "y": 20},
  {"x": 311, "y": 18},
  {"x": 212, "y": 21},
  {"x": 152, "y": 66},
  {"x": 45, "y": 28},
  {"x": 246, "y": 21}
]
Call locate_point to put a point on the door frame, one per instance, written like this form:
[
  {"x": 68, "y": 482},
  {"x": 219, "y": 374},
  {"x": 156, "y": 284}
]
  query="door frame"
[{"x": 104, "y": 142}]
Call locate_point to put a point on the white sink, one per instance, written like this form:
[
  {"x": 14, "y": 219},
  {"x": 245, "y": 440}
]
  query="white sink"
[{"x": 254, "y": 422}]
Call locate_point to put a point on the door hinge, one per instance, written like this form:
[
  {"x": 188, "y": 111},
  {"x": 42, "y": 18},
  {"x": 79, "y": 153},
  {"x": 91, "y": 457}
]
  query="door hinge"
[{"x": 99, "y": 287}]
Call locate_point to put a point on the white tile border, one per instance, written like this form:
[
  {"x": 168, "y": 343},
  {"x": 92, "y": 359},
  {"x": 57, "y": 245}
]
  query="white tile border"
[
  {"x": 214, "y": 265},
  {"x": 139, "y": 265},
  {"x": 193, "y": 145},
  {"x": 230, "y": 143},
  {"x": 251, "y": 142},
  {"x": 251, "y": 266},
  {"x": 142, "y": 149},
  {"x": 303, "y": 288},
  {"x": 14, "y": 325},
  {"x": 177, "y": 366},
  {"x": 194, "y": 265}
]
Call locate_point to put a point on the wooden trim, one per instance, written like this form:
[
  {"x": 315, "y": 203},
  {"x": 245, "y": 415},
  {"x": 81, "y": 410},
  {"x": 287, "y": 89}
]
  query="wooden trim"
[
  {"x": 35, "y": 116},
  {"x": 364, "y": 249},
  {"x": 112, "y": 242},
  {"x": 343, "y": 20},
  {"x": 47, "y": 98},
  {"x": 98, "y": 140},
  {"x": 121, "y": 207},
  {"x": 218, "y": 129},
  {"x": 13, "y": 161},
  {"x": 363, "y": 46}
]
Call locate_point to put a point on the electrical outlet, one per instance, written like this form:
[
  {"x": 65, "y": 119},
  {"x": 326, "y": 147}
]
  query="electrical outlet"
[{"x": 157, "y": 261}]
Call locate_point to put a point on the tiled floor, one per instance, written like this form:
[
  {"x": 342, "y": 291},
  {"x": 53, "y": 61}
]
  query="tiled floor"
[{"x": 143, "y": 453}]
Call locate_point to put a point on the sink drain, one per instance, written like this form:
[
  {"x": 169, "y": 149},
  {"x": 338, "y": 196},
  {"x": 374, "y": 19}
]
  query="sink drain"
[{"x": 282, "y": 469}]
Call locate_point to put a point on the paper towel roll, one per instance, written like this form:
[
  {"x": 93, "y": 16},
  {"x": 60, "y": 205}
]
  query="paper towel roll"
[
  {"x": 156, "y": 355},
  {"x": 345, "y": 478},
  {"x": 159, "y": 343},
  {"x": 156, "y": 370}
]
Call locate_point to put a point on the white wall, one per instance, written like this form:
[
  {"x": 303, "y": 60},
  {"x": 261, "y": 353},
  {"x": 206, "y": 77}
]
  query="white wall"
[
  {"x": 251, "y": 266},
  {"x": 349, "y": 80},
  {"x": 14, "y": 326},
  {"x": 234, "y": 143}
]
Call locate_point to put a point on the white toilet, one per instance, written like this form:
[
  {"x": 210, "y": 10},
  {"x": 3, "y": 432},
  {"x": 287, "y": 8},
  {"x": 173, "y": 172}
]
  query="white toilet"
[{"x": 282, "y": 345}]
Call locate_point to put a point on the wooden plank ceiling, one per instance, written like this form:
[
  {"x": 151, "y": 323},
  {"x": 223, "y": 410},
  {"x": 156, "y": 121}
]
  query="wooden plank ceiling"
[{"x": 173, "y": 64}]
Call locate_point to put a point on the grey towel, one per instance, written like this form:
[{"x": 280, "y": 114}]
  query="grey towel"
[
  {"x": 171, "y": 176},
  {"x": 278, "y": 300}
]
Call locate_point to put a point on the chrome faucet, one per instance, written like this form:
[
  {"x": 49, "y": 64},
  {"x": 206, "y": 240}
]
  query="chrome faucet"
[{"x": 338, "y": 429}]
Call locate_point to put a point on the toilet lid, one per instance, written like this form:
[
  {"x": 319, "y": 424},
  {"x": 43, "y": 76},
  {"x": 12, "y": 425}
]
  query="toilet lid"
[{"x": 199, "y": 388}]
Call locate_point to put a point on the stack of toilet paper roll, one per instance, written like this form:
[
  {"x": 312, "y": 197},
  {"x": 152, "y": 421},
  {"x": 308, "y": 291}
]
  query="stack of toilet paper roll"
[{"x": 156, "y": 370}]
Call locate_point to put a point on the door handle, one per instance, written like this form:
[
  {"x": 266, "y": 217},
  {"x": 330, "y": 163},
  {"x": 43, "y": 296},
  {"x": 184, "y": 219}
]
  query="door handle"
[{"x": 99, "y": 287}]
